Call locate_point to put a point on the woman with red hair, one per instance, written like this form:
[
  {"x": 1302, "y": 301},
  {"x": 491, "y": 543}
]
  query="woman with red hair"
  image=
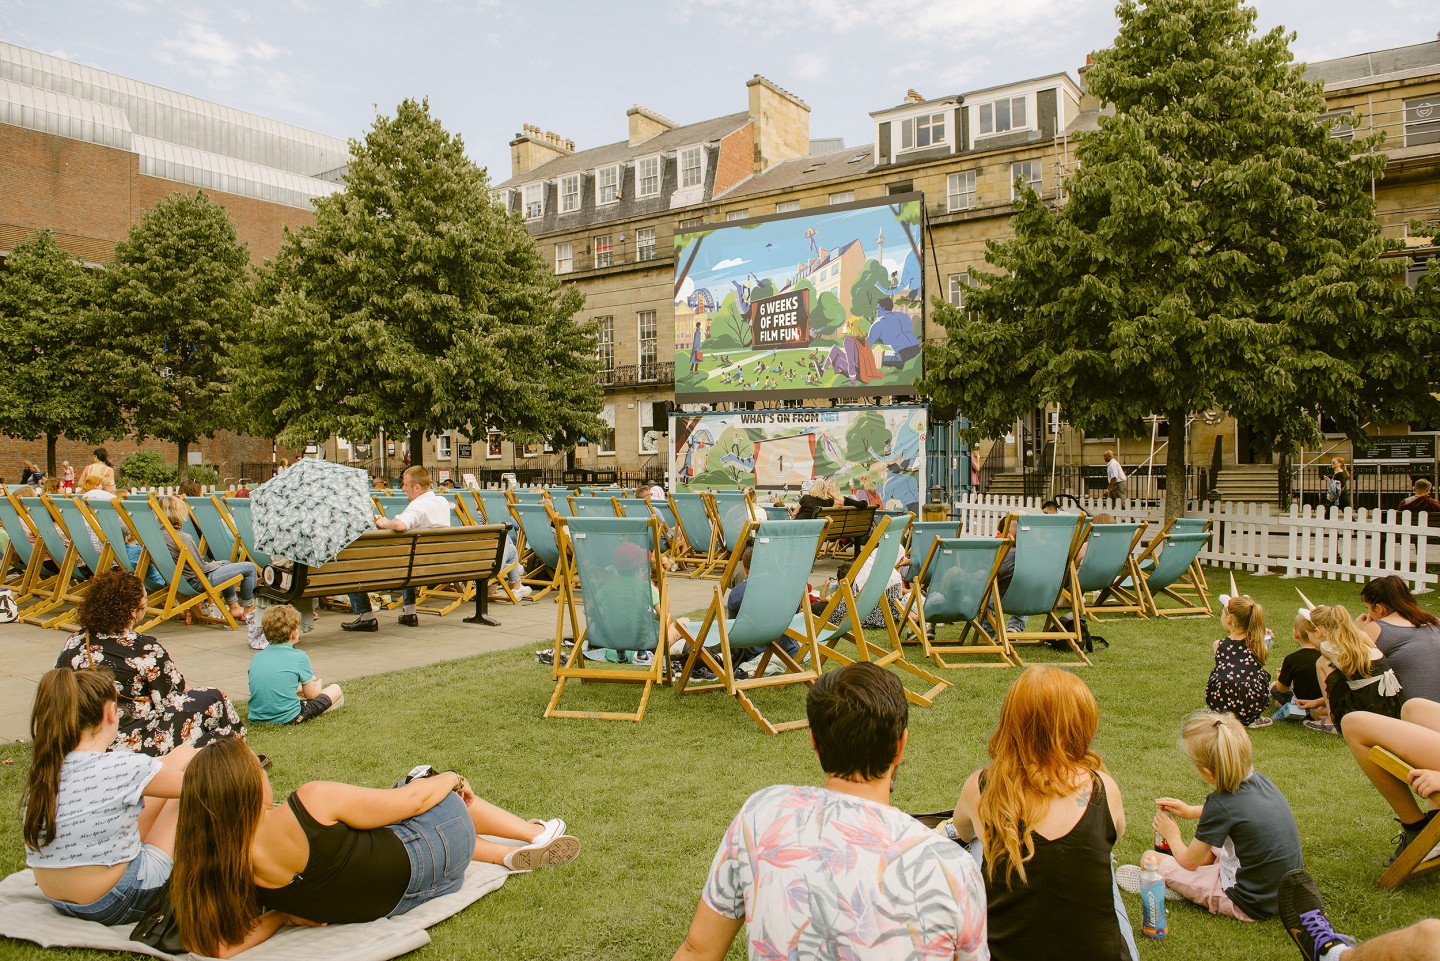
[{"x": 1047, "y": 815}]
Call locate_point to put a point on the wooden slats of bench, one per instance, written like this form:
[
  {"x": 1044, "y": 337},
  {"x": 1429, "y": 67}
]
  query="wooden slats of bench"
[
  {"x": 848, "y": 522},
  {"x": 381, "y": 560}
]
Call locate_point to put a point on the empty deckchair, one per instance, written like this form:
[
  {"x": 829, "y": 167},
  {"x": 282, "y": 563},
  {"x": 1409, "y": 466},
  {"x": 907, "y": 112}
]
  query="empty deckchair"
[
  {"x": 1109, "y": 561},
  {"x": 1043, "y": 582},
  {"x": 1167, "y": 560},
  {"x": 618, "y": 577},
  {"x": 537, "y": 524},
  {"x": 242, "y": 516},
  {"x": 883, "y": 548},
  {"x": 529, "y": 495},
  {"x": 592, "y": 506},
  {"x": 216, "y": 532},
  {"x": 701, "y": 549},
  {"x": 922, "y": 535},
  {"x": 731, "y": 511},
  {"x": 782, "y": 553},
  {"x": 1193, "y": 584},
  {"x": 955, "y": 584},
  {"x": 186, "y": 585},
  {"x": 53, "y": 542}
]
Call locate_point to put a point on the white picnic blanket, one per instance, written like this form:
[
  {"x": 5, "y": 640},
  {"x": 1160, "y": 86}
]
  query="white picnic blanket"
[{"x": 25, "y": 914}]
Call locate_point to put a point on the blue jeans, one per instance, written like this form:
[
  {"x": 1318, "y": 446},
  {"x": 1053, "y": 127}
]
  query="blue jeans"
[
  {"x": 787, "y": 644},
  {"x": 510, "y": 556},
  {"x": 224, "y": 572},
  {"x": 360, "y": 603},
  {"x": 440, "y": 843},
  {"x": 131, "y": 896}
]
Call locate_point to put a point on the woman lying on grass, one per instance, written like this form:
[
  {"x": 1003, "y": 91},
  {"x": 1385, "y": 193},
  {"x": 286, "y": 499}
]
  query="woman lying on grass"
[{"x": 333, "y": 853}]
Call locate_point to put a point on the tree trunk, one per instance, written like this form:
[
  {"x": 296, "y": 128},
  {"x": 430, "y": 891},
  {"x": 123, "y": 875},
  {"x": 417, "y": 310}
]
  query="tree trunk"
[
  {"x": 50, "y": 455},
  {"x": 417, "y": 448},
  {"x": 182, "y": 454},
  {"x": 1175, "y": 467}
]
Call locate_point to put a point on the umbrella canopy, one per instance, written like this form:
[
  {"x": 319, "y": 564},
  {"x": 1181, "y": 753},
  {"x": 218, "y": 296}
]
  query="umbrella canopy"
[{"x": 311, "y": 511}]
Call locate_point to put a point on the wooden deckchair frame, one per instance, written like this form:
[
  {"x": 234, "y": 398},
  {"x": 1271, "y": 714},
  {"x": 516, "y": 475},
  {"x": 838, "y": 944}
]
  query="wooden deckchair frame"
[
  {"x": 35, "y": 587},
  {"x": 65, "y": 591},
  {"x": 574, "y": 664},
  {"x": 724, "y": 668},
  {"x": 562, "y": 574},
  {"x": 1411, "y": 863},
  {"x": 703, "y": 560},
  {"x": 1141, "y": 585},
  {"x": 1067, "y": 596},
  {"x": 1124, "y": 602},
  {"x": 996, "y": 644},
  {"x": 171, "y": 603}
]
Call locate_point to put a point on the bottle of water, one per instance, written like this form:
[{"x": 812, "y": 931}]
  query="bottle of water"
[{"x": 1152, "y": 897}]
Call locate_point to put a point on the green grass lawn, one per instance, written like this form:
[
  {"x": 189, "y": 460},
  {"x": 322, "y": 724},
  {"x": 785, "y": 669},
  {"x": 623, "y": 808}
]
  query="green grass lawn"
[{"x": 650, "y": 801}]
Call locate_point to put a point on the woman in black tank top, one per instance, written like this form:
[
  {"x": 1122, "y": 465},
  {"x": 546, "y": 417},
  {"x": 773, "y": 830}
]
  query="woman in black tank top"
[
  {"x": 333, "y": 853},
  {"x": 1048, "y": 816}
]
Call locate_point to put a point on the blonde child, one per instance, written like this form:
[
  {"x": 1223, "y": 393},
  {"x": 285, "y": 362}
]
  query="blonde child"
[
  {"x": 283, "y": 686},
  {"x": 1246, "y": 839},
  {"x": 1239, "y": 683},
  {"x": 1355, "y": 675},
  {"x": 1297, "y": 688}
]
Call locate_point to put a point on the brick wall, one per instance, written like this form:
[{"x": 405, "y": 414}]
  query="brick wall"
[
  {"x": 735, "y": 162},
  {"x": 225, "y": 451}
]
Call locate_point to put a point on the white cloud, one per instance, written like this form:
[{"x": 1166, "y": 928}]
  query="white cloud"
[
  {"x": 809, "y": 66},
  {"x": 261, "y": 50},
  {"x": 727, "y": 264}
]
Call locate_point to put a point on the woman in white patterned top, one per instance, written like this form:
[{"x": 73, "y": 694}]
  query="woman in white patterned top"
[{"x": 99, "y": 826}]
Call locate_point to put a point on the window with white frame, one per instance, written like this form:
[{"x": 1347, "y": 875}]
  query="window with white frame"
[
  {"x": 604, "y": 251},
  {"x": 1001, "y": 115},
  {"x": 692, "y": 166},
  {"x": 605, "y": 443},
  {"x": 960, "y": 190},
  {"x": 690, "y": 223},
  {"x": 605, "y": 339},
  {"x": 926, "y": 130},
  {"x": 960, "y": 285},
  {"x": 564, "y": 257},
  {"x": 1422, "y": 121},
  {"x": 786, "y": 206},
  {"x": 569, "y": 193},
  {"x": 534, "y": 201},
  {"x": 1028, "y": 172},
  {"x": 647, "y": 177},
  {"x": 1343, "y": 127},
  {"x": 737, "y": 214},
  {"x": 843, "y": 197},
  {"x": 607, "y": 184},
  {"x": 649, "y": 433},
  {"x": 494, "y": 445},
  {"x": 442, "y": 446},
  {"x": 645, "y": 243},
  {"x": 649, "y": 344}
]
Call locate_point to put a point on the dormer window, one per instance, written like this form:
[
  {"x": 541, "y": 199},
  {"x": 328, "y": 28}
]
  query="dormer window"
[
  {"x": 692, "y": 167},
  {"x": 607, "y": 184},
  {"x": 926, "y": 130},
  {"x": 999, "y": 116},
  {"x": 647, "y": 177},
  {"x": 569, "y": 193},
  {"x": 534, "y": 195}
]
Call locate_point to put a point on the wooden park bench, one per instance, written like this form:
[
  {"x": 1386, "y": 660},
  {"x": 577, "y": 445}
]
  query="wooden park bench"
[
  {"x": 846, "y": 523},
  {"x": 391, "y": 560}
]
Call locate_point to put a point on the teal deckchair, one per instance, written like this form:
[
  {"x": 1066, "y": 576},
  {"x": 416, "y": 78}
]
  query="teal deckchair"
[
  {"x": 529, "y": 495},
  {"x": 391, "y": 505},
  {"x": 495, "y": 504},
  {"x": 1167, "y": 560},
  {"x": 782, "y": 553},
  {"x": 562, "y": 505},
  {"x": 922, "y": 535},
  {"x": 83, "y": 539},
  {"x": 884, "y": 547},
  {"x": 217, "y": 533},
  {"x": 1193, "y": 585},
  {"x": 1044, "y": 580},
  {"x": 53, "y": 543},
  {"x": 593, "y": 506},
  {"x": 701, "y": 549},
  {"x": 731, "y": 511},
  {"x": 1109, "y": 560},
  {"x": 537, "y": 526},
  {"x": 186, "y": 585},
  {"x": 955, "y": 584},
  {"x": 33, "y": 585},
  {"x": 909, "y": 530},
  {"x": 616, "y": 560},
  {"x": 115, "y": 530},
  {"x": 242, "y": 515}
]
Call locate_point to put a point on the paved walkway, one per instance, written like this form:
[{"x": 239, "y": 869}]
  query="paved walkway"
[{"x": 218, "y": 657}]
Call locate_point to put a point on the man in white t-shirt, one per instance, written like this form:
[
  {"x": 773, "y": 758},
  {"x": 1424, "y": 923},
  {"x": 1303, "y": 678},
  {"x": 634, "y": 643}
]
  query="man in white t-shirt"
[
  {"x": 835, "y": 872},
  {"x": 426, "y": 509},
  {"x": 1114, "y": 476}
]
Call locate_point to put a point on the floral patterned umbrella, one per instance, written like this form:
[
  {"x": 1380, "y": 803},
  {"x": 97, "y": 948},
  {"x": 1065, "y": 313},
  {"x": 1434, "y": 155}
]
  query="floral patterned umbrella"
[{"x": 312, "y": 511}]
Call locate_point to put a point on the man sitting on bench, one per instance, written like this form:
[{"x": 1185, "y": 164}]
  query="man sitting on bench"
[{"x": 426, "y": 509}]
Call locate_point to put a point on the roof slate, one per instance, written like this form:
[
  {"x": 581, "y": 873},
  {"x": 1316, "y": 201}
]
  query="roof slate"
[
  {"x": 805, "y": 170},
  {"x": 1376, "y": 63}
]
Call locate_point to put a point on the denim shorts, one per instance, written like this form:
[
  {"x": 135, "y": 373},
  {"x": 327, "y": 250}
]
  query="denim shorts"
[
  {"x": 131, "y": 896},
  {"x": 440, "y": 843}
]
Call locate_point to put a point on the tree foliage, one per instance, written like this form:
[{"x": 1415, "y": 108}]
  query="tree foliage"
[
  {"x": 1217, "y": 249},
  {"x": 174, "y": 303},
  {"x": 56, "y": 374},
  {"x": 416, "y": 303}
]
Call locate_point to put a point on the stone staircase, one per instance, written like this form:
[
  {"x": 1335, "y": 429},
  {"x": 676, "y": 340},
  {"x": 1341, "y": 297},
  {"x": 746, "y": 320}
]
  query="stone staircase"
[
  {"x": 1007, "y": 485},
  {"x": 1258, "y": 483}
]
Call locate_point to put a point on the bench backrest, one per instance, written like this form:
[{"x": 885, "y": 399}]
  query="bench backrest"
[
  {"x": 388, "y": 560},
  {"x": 852, "y": 522}
]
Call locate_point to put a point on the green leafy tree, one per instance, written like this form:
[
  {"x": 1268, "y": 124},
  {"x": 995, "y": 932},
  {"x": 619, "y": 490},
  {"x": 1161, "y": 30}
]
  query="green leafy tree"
[
  {"x": 56, "y": 374},
  {"x": 416, "y": 304},
  {"x": 1218, "y": 249},
  {"x": 146, "y": 468},
  {"x": 175, "y": 302}
]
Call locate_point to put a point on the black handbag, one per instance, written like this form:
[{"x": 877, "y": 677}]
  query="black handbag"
[{"x": 157, "y": 926}]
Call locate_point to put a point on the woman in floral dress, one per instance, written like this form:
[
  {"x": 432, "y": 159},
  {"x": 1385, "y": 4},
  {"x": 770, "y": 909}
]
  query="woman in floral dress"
[{"x": 157, "y": 709}]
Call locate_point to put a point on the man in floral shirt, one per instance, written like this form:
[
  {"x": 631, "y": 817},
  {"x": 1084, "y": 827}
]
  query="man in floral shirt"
[{"x": 835, "y": 873}]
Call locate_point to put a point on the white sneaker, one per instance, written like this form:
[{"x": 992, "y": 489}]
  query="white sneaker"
[
  {"x": 255, "y": 632},
  {"x": 551, "y": 847},
  {"x": 522, "y": 590}
]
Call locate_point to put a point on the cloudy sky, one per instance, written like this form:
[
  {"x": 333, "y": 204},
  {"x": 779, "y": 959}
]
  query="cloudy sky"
[{"x": 489, "y": 66}]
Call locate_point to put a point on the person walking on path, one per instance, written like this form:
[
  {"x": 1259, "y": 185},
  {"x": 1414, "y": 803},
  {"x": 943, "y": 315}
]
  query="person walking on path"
[{"x": 1114, "y": 477}]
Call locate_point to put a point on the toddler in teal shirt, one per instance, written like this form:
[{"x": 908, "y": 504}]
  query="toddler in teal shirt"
[{"x": 283, "y": 686}]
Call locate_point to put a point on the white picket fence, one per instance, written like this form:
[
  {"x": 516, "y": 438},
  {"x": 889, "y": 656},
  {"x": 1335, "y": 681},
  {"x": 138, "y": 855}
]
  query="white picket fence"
[{"x": 1334, "y": 543}]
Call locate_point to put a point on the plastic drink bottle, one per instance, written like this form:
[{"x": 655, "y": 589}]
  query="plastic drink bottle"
[
  {"x": 1152, "y": 897},
  {"x": 1161, "y": 845}
]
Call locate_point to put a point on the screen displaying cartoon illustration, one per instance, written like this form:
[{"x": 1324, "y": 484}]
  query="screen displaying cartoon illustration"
[
  {"x": 826, "y": 301},
  {"x": 873, "y": 453}
]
